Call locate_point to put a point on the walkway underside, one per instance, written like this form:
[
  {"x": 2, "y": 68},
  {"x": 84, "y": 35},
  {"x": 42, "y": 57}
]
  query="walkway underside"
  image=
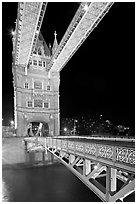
[
  {"x": 85, "y": 20},
  {"x": 28, "y": 24},
  {"x": 110, "y": 182}
]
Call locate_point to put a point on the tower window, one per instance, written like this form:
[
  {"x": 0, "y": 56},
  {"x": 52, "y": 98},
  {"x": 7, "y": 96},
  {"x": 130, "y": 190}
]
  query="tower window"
[
  {"x": 26, "y": 85},
  {"x": 46, "y": 105},
  {"x": 37, "y": 85},
  {"x": 29, "y": 103},
  {"x": 38, "y": 103},
  {"x": 34, "y": 62},
  {"x": 44, "y": 64},
  {"x": 40, "y": 63},
  {"x": 48, "y": 88}
]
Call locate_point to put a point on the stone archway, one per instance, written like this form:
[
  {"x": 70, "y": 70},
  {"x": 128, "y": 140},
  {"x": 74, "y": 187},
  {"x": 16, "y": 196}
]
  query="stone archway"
[{"x": 38, "y": 128}]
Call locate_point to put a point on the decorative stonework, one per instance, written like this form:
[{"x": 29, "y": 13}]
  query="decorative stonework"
[
  {"x": 79, "y": 147},
  {"x": 105, "y": 151},
  {"x": 126, "y": 155},
  {"x": 90, "y": 149},
  {"x": 71, "y": 145}
]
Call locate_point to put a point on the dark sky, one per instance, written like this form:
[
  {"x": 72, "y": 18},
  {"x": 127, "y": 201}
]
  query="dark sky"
[{"x": 99, "y": 78}]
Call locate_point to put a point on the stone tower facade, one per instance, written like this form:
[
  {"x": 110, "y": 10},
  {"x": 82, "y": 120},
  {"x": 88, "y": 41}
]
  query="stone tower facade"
[{"x": 36, "y": 95}]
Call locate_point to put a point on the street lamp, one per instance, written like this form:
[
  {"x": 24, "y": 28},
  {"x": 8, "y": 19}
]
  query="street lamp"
[
  {"x": 11, "y": 122},
  {"x": 75, "y": 121},
  {"x": 65, "y": 130}
]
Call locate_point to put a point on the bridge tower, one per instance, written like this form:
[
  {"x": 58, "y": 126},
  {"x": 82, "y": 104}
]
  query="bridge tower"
[
  {"x": 36, "y": 94},
  {"x": 36, "y": 68}
]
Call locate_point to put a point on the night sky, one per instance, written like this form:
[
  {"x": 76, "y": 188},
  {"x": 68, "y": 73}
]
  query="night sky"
[{"x": 99, "y": 78}]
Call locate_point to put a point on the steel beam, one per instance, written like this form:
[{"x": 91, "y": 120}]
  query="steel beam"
[
  {"x": 92, "y": 170},
  {"x": 86, "y": 19}
]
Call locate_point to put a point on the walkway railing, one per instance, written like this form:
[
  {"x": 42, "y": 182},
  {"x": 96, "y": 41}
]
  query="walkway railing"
[
  {"x": 119, "y": 156},
  {"x": 92, "y": 159}
]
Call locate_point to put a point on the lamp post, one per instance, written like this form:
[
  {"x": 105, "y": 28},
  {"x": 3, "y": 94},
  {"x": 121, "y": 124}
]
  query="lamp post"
[
  {"x": 75, "y": 121},
  {"x": 12, "y": 123},
  {"x": 65, "y": 130}
]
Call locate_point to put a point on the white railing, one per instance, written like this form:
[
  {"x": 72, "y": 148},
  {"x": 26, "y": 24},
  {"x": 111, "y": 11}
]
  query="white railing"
[{"x": 112, "y": 154}]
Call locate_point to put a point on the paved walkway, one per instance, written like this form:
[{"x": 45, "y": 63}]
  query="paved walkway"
[{"x": 13, "y": 151}]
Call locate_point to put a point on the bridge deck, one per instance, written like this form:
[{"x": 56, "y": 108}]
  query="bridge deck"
[{"x": 122, "y": 142}]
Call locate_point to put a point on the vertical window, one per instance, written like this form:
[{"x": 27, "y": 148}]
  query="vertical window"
[
  {"x": 34, "y": 62},
  {"x": 44, "y": 64},
  {"x": 40, "y": 63},
  {"x": 26, "y": 85},
  {"x": 29, "y": 103},
  {"x": 48, "y": 88},
  {"x": 46, "y": 104}
]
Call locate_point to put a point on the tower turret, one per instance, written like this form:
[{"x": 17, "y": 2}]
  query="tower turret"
[{"x": 55, "y": 44}]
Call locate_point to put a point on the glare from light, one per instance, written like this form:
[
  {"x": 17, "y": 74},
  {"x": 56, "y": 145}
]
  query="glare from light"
[
  {"x": 95, "y": 167},
  {"x": 85, "y": 7},
  {"x": 65, "y": 129},
  {"x": 12, "y": 32},
  {"x": 12, "y": 122}
]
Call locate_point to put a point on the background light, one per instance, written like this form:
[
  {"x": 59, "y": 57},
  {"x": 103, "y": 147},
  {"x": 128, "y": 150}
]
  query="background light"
[{"x": 65, "y": 129}]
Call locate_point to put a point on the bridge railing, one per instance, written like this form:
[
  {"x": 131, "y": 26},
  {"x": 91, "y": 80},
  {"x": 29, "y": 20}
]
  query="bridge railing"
[{"x": 117, "y": 156}]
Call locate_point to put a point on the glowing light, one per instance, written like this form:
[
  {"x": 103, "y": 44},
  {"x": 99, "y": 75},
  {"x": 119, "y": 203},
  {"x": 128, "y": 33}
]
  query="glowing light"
[
  {"x": 95, "y": 167},
  {"x": 85, "y": 7},
  {"x": 12, "y": 32},
  {"x": 12, "y": 122},
  {"x": 37, "y": 32},
  {"x": 65, "y": 129}
]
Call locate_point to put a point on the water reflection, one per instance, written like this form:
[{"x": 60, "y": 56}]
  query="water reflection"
[{"x": 53, "y": 183}]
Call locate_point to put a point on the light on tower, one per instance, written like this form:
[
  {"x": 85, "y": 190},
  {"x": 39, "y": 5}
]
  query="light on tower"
[
  {"x": 12, "y": 32},
  {"x": 85, "y": 7}
]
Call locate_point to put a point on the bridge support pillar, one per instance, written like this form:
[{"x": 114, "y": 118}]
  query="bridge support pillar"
[
  {"x": 71, "y": 158},
  {"x": 108, "y": 183},
  {"x": 113, "y": 179},
  {"x": 87, "y": 167}
]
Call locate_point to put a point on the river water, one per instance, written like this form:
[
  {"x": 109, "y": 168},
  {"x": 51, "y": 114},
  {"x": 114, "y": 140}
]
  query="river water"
[{"x": 52, "y": 183}]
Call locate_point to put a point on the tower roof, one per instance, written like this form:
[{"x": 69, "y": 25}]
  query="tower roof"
[
  {"x": 41, "y": 41},
  {"x": 55, "y": 43}
]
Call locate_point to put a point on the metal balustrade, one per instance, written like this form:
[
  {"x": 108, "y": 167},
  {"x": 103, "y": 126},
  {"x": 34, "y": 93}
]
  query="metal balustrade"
[{"x": 116, "y": 156}]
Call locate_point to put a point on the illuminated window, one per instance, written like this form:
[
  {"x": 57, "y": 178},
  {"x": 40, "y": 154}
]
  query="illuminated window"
[
  {"x": 48, "y": 88},
  {"x": 44, "y": 64},
  {"x": 26, "y": 85},
  {"x": 38, "y": 103},
  {"x": 40, "y": 63},
  {"x": 46, "y": 105},
  {"x": 34, "y": 62},
  {"x": 37, "y": 85},
  {"x": 29, "y": 103}
]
